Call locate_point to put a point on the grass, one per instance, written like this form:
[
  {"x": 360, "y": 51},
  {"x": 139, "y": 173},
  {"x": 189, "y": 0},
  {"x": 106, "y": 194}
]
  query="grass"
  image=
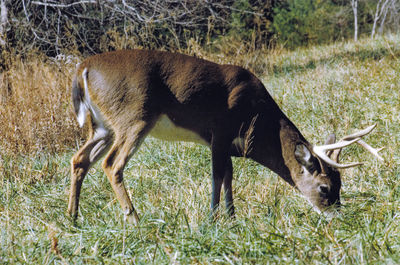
[
  {"x": 339, "y": 87},
  {"x": 35, "y": 110}
]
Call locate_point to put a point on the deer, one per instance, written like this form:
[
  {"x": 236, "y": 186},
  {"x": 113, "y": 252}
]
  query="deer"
[{"x": 124, "y": 96}]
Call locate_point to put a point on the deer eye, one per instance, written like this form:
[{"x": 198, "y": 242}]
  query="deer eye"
[{"x": 323, "y": 189}]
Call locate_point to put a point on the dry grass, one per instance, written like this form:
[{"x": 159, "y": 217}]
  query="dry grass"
[{"x": 35, "y": 110}]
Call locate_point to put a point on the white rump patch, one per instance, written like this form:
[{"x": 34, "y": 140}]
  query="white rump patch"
[{"x": 165, "y": 129}]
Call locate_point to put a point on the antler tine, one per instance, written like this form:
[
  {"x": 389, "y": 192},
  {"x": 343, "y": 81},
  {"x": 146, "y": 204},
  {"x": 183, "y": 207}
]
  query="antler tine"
[
  {"x": 338, "y": 145},
  {"x": 359, "y": 134},
  {"x": 329, "y": 161},
  {"x": 362, "y": 133},
  {"x": 320, "y": 151},
  {"x": 370, "y": 149}
]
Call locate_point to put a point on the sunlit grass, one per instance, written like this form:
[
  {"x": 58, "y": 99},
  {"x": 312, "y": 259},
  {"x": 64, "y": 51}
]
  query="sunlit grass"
[{"x": 336, "y": 88}]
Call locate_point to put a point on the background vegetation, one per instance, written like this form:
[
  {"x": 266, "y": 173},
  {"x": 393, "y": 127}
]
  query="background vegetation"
[
  {"x": 322, "y": 79},
  {"x": 92, "y": 26}
]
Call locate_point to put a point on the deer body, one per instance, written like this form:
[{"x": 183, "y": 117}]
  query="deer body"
[{"x": 126, "y": 95}]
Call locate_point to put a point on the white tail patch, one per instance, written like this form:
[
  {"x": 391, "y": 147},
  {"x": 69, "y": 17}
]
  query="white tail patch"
[
  {"x": 83, "y": 106},
  {"x": 81, "y": 117},
  {"x": 87, "y": 105}
]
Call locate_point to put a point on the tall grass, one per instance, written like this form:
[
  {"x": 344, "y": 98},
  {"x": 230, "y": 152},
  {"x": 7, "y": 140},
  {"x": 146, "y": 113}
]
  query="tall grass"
[
  {"x": 35, "y": 112},
  {"x": 339, "y": 87}
]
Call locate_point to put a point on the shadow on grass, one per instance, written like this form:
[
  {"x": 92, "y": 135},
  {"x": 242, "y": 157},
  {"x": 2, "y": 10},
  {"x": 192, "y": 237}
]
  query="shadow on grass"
[{"x": 361, "y": 55}]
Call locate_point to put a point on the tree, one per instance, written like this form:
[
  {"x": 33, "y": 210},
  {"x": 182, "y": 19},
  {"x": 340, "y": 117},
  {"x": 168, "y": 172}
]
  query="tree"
[
  {"x": 3, "y": 22},
  {"x": 304, "y": 22},
  {"x": 393, "y": 18},
  {"x": 91, "y": 25},
  {"x": 291, "y": 22},
  {"x": 381, "y": 10},
  {"x": 354, "y": 5}
]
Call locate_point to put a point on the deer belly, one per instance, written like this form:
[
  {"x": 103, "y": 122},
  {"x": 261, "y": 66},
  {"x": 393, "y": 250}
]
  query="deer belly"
[{"x": 165, "y": 129}]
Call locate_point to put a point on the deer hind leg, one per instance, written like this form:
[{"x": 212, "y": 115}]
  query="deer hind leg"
[
  {"x": 98, "y": 143},
  {"x": 125, "y": 145}
]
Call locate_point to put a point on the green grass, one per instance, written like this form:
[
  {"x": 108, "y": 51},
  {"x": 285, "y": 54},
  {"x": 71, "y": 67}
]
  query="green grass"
[{"x": 340, "y": 87}]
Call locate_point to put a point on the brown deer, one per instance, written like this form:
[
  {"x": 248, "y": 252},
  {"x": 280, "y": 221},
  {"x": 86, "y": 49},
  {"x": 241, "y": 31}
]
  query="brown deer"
[{"x": 126, "y": 95}]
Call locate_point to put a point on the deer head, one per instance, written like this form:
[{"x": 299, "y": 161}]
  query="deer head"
[{"x": 314, "y": 169}]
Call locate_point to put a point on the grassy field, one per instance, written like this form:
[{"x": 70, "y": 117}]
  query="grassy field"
[{"x": 336, "y": 88}]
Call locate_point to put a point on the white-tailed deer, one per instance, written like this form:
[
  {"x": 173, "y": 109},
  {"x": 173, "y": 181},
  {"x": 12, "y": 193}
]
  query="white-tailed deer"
[{"x": 126, "y": 95}]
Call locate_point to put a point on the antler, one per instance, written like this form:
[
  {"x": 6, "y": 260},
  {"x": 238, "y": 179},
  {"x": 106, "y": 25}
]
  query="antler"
[
  {"x": 321, "y": 151},
  {"x": 360, "y": 134}
]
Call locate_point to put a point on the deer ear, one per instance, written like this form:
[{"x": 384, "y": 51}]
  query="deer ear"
[
  {"x": 304, "y": 156},
  {"x": 334, "y": 155},
  {"x": 331, "y": 139}
]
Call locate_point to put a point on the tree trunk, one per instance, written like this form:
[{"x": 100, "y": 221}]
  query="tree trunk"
[
  {"x": 384, "y": 18},
  {"x": 380, "y": 10},
  {"x": 354, "y": 5},
  {"x": 3, "y": 22},
  {"x": 376, "y": 18}
]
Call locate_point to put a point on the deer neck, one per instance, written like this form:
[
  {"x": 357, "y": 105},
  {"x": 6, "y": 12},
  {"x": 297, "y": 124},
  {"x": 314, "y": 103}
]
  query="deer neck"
[{"x": 275, "y": 145}]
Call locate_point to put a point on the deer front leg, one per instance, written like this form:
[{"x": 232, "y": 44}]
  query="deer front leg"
[
  {"x": 228, "y": 188},
  {"x": 220, "y": 165}
]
